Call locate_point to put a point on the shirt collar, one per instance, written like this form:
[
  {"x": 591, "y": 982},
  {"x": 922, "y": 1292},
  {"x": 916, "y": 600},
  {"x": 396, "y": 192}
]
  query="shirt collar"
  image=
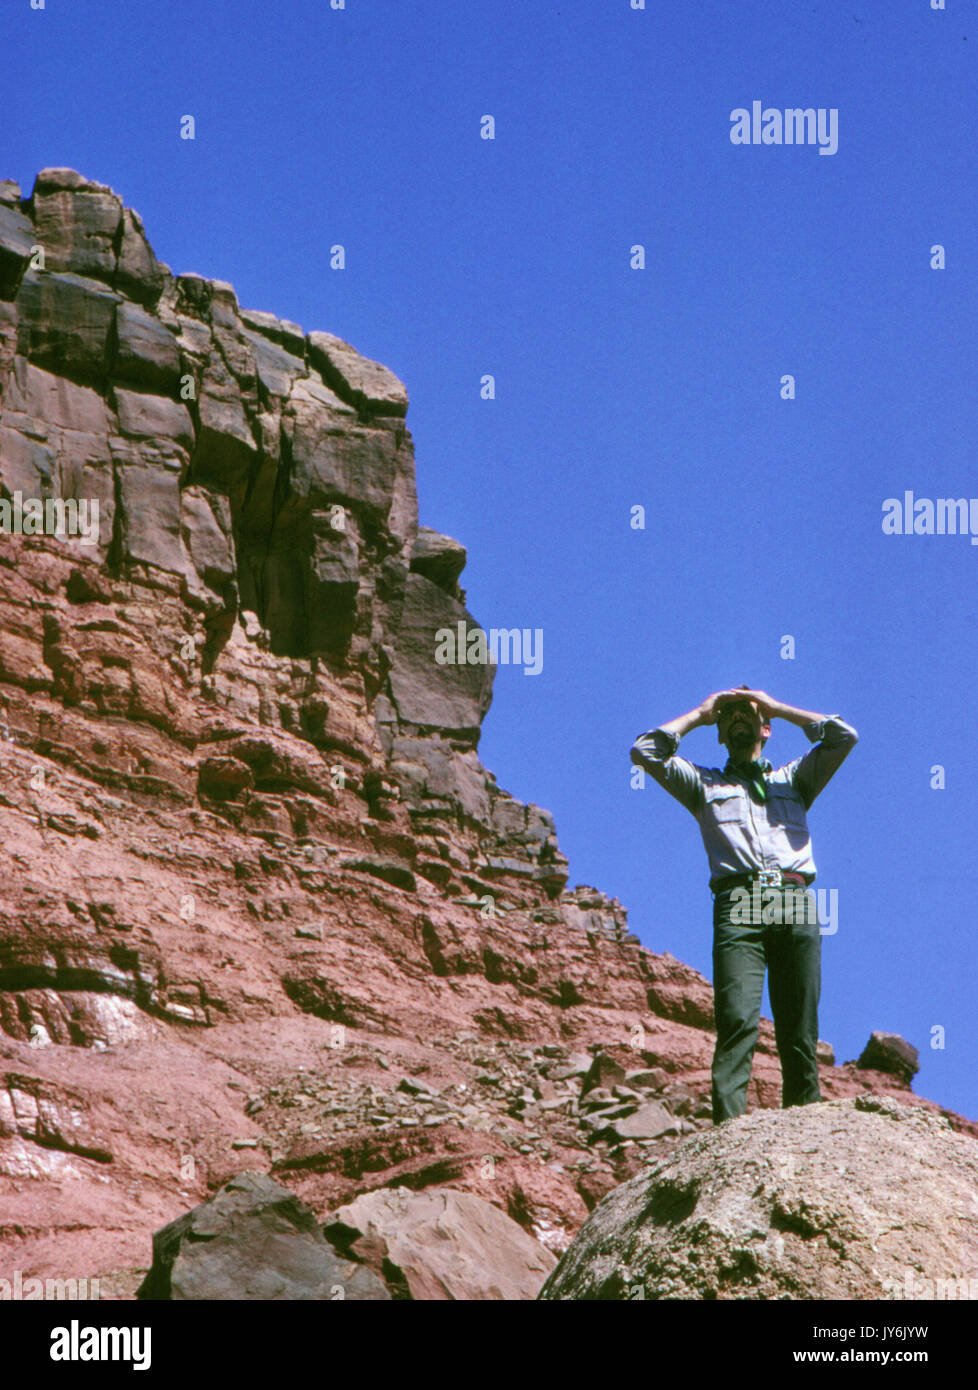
[{"x": 742, "y": 769}]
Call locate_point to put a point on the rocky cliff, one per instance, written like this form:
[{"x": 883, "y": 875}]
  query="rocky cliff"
[{"x": 262, "y": 905}]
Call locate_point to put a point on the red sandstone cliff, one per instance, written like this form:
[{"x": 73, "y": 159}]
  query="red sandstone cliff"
[{"x": 255, "y": 874}]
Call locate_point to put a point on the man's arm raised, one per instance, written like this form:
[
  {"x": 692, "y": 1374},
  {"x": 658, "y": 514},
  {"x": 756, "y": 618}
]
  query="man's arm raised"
[
  {"x": 834, "y": 740},
  {"x": 655, "y": 752},
  {"x": 775, "y": 709}
]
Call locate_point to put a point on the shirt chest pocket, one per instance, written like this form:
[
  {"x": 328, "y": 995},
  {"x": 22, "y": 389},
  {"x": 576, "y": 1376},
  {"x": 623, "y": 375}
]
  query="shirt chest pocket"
[
  {"x": 726, "y": 804},
  {"x": 785, "y": 807}
]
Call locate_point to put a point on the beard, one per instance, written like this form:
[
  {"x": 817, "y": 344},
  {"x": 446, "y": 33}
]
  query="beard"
[{"x": 741, "y": 739}]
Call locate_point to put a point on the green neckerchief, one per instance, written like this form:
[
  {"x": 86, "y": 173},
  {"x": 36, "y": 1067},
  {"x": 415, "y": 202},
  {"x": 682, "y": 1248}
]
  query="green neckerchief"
[{"x": 753, "y": 774}]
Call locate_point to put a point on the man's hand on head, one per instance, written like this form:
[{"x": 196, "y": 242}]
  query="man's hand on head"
[
  {"x": 713, "y": 706},
  {"x": 710, "y": 708},
  {"x": 766, "y": 706}
]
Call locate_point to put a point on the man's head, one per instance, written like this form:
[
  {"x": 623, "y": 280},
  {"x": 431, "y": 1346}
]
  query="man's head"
[{"x": 741, "y": 727}]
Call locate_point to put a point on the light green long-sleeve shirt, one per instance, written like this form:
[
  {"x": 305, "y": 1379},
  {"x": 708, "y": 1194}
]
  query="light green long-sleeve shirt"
[{"x": 741, "y": 834}]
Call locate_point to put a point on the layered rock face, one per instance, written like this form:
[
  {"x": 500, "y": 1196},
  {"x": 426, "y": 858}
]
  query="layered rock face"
[{"x": 263, "y": 906}]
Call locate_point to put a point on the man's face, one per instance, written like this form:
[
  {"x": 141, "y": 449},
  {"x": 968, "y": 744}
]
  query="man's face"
[{"x": 739, "y": 725}]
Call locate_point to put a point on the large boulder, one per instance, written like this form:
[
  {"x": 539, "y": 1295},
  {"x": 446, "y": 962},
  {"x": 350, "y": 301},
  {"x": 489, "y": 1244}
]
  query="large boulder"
[
  {"x": 254, "y": 1239},
  {"x": 846, "y": 1199},
  {"x": 890, "y": 1053},
  {"x": 441, "y": 1244}
]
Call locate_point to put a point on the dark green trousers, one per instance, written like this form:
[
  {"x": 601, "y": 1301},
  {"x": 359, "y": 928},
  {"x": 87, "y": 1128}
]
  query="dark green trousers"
[{"x": 774, "y": 929}]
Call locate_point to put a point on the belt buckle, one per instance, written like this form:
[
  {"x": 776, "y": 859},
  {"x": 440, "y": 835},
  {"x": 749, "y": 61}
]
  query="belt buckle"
[{"x": 770, "y": 878}]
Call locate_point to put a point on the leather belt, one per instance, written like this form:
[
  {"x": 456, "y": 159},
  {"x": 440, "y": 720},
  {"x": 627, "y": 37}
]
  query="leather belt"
[{"x": 764, "y": 878}]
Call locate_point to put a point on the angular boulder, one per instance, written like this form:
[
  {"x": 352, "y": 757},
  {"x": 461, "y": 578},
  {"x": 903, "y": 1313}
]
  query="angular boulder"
[
  {"x": 254, "y": 1239},
  {"x": 650, "y": 1121},
  {"x": 890, "y": 1053},
  {"x": 441, "y": 1244}
]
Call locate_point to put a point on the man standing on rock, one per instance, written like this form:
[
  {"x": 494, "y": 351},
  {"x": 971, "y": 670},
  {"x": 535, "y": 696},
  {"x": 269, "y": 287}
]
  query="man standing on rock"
[{"x": 752, "y": 819}]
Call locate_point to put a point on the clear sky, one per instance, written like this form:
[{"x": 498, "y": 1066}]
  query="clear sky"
[{"x": 618, "y": 387}]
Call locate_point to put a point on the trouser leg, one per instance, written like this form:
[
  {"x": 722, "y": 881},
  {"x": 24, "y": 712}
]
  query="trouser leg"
[
  {"x": 738, "y": 982},
  {"x": 794, "y": 984}
]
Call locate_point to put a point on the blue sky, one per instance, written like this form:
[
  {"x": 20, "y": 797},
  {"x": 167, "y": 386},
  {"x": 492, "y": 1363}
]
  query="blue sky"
[{"x": 617, "y": 387}]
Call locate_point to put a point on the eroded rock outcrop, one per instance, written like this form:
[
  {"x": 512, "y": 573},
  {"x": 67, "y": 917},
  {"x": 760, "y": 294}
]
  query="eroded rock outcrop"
[{"x": 256, "y": 875}]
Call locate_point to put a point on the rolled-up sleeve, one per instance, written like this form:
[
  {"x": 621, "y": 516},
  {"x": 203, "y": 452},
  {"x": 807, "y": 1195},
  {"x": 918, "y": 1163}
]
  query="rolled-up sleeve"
[
  {"x": 655, "y": 752},
  {"x": 834, "y": 740}
]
